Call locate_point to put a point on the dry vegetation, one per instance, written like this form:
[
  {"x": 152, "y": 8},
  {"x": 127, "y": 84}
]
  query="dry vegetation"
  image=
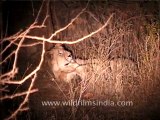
[{"x": 127, "y": 34}]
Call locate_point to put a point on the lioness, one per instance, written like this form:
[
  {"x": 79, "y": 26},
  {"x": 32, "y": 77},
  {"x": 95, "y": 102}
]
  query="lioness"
[
  {"x": 59, "y": 63},
  {"x": 94, "y": 71},
  {"x": 91, "y": 71},
  {"x": 116, "y": 67}
]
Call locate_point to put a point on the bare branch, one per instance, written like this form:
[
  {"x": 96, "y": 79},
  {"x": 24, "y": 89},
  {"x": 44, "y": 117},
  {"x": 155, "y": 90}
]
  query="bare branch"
[
  {"x": 64, "y": 28},
  {"x": 20, "y": 108},
  {"x": 70, "y": 42},
  {"x": 12, "y": 53},
  {"x": 31, "y": 74},
  {"x": 18, "y": 94}
]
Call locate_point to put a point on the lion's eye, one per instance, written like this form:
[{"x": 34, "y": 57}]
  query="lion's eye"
[
  {"x": 70, "y": 55},
  {"x": 60, "y": 53}
]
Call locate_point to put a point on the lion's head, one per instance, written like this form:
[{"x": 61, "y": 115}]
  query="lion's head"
[{"x": 60, "y": 58}]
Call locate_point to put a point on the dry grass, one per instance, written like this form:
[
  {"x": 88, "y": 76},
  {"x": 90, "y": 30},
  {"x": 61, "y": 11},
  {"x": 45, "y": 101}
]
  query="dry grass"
[
  {"x": 131, "y": 38},
  {"x": 129, "y": 35},
  {"x": 126, "y": 37}
]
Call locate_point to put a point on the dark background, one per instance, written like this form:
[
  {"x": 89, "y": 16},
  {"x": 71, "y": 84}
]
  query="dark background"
[{"x": 18, "y": 15}]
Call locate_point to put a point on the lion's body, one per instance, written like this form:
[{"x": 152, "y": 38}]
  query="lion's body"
[
  {"x": 66, "y": 68},
  {"x": 95, "y": 74},
  {"x": 116, "y": 68}
]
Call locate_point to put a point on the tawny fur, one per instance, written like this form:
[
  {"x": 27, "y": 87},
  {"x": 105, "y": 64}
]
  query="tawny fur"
[{"x": 66, "y": 68}]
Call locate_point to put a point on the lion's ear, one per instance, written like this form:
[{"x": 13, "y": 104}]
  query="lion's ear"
[
  {"x": 58, "y": 45},
  {"x": 49, "y": 54}
]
